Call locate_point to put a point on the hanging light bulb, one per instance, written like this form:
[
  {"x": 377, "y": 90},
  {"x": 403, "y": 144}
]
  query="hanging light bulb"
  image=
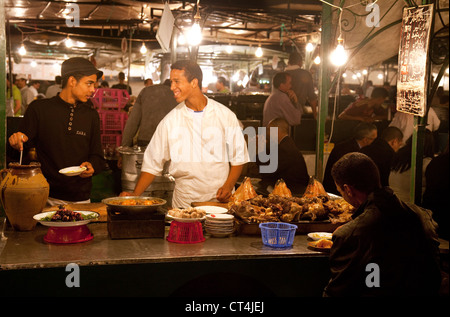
[
  {"x": 317, "y": 60},
  {"x": 33, "y": 64},
  {"x": 259, "y": 51},
  {"x": 22, "y": 50},
  {"x": 69, "y": 42},
  {"x": 339, "y": 55},
  {"x": 195, "y": 34},
  {"x": 309, "y": 47},
  {"x": 143, "y": 48},
  {"x": 181, "y": 39}
]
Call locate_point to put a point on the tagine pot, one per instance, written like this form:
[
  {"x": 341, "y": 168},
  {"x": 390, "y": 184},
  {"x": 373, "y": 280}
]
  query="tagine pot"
[{"x": 24, "y": 193}]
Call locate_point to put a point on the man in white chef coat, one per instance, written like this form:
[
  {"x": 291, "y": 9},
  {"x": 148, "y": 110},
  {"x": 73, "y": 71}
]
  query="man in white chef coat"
[{"x": 201, "y": 138}]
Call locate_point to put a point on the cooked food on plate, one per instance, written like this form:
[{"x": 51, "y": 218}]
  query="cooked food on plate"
[
  {"x": 187, "y": 213},
  {"x": 135, "y": 202},
  {"x": 63, "y": 214}
]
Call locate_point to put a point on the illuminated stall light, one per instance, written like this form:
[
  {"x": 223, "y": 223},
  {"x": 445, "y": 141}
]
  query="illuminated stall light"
[{"x": 22, "y": 50}]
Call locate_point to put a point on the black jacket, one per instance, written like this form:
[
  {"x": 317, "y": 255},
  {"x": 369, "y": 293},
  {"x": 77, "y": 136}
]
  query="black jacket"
[
  {"x": 61, "y": 142},
  {"x": 337, "y": 152},
  {"x": 382, "y": 154},
  {"x": 291, "y": 168},
  {"x": 399, "y": 238}
]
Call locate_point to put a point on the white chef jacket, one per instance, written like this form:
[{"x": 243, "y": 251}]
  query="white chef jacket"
[{"x": 200, "y": 146}]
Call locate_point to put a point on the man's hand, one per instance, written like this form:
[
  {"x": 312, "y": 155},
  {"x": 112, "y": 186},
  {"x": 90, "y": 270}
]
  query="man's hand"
[
  {"x": 89, "y": 170},
  {"x": 224, "y": 194},
  {"x": 17, "y": 140}
]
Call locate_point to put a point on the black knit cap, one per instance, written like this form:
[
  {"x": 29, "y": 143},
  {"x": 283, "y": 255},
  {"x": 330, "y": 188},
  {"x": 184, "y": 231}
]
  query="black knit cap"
[{"x": 79, "y": 65}]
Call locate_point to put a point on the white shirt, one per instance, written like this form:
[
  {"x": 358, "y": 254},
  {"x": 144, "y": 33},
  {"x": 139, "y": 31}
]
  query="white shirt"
[
  {"x": 405, "y": 122},
  {"x": 200, "y": 146},
  {"x": 52, "y": 91}
]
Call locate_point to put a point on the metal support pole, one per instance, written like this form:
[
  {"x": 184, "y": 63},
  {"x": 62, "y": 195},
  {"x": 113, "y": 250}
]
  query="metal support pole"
[
  {"x": 324, "y": 80},
  {"x": 3, "y": 98}
]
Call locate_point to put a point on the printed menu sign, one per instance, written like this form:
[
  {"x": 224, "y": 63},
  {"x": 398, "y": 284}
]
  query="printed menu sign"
[{"x": 412, "y": 59}]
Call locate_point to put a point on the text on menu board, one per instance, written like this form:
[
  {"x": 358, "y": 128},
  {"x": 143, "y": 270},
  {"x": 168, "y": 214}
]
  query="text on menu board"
[{"x": 412, "y": 59}]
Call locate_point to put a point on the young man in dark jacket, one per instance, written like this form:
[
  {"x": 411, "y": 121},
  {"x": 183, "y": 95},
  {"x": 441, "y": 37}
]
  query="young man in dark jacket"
[
  {"x": 390, "y": 247},
  {"x": 65, "y": 130}
]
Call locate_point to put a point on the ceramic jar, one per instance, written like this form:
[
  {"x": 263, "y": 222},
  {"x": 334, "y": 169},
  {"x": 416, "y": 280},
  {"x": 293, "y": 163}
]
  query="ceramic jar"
[{"x": 24, "y": 192}]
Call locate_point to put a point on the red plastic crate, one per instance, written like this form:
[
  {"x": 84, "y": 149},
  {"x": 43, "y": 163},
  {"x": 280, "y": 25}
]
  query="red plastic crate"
[
  {"x": 110, "y": 99},
  {"x": 112, "y": 121},
  {"x": 111, "y": 140}
]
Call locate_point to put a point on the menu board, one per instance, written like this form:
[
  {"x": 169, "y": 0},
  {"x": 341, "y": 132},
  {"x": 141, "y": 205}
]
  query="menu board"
[{"x": 412, "y": 59}]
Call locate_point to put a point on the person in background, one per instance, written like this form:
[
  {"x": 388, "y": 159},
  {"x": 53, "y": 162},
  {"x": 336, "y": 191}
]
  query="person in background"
[
  {"x": 405, "y": 122},
  {"x": 359, "y": 93},
  {"x": 253, "y": 86},
  {"x": 25, "y": 91},
  {"x": 367, "y": 110},
  {"x": 365, "y": 258},
  {"x": 65, "y": 130},
  {"x": 152, "y": 104},
  {"x": 400, "y": 176},
  {"x": 14, "y": 99},
  {"x": 121, "y": 84},
  {"x": 365, "y": 133},
  {"x": 302, "y": 83},
  {"x": 54, "y": 89},
  {"x": 436, "y": 192},
  {"x": 104, "y": 84},
  {"x": 222, "y": 85},
  {"x": 282, "y": 102},
  {"x": 291, "y": 165},
  {"x": 201, "y": 138},
  {"x": 382, "y": 151},
  {"x": 148, "y": 82},
  {"x": 369, "y": 89},
  {"x": 34, "y": 87}
]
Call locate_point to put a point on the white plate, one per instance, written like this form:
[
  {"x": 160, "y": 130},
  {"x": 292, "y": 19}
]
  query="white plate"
[
  {"x": 40, "y": 216},
  {"x": 320, "y": 235},
  {"x": 213, "y": 209},
  {"x": 219, "y": 217},
  {"x": 72, "y": 171},
  {"x": 185, "y": 219}
]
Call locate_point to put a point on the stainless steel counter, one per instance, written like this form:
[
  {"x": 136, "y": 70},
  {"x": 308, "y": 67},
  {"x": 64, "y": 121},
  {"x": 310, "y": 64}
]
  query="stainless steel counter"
[{"x": 28, "y": 250}]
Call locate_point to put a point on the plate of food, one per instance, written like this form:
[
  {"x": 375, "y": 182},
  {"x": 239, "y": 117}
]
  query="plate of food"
[
  {"x": 323, "y": 245},
  {"x": 65, "y": 218},
  {"x": 72, "y": 170},
  {"x": 190, "y": 214},
  {"x": 320, "y": 235}
]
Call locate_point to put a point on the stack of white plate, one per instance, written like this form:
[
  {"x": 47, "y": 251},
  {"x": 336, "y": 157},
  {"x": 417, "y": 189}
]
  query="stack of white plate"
[{"x": 219, "y": 225}]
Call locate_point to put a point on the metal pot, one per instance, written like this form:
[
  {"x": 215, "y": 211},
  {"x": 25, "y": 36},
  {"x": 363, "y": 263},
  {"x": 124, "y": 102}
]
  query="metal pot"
[{"x": 132, "y": 158}]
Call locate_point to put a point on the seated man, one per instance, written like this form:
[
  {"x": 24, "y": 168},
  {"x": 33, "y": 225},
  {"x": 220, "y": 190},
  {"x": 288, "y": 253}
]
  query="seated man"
[
  {"x": 282, "y": 102},
  {"x": 369, "y": 109},
  {"x": 390, "y": 248},
  {"x": 291, "y": 163},
  {"x": 365, "y": 134},
  {"x": 382, "y": 151}
]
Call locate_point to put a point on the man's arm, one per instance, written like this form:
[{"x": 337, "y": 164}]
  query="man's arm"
[
  {"x": 145, "y": 179},
  {"x": 224, "y": 192}
]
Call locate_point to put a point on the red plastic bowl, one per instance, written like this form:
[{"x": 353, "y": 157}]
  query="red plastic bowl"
[{"x": 68, "y": 234}]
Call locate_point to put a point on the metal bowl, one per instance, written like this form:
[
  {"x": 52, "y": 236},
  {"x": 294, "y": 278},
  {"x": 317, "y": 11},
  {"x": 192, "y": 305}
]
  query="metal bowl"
[{"x": 114, "y": 204}]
